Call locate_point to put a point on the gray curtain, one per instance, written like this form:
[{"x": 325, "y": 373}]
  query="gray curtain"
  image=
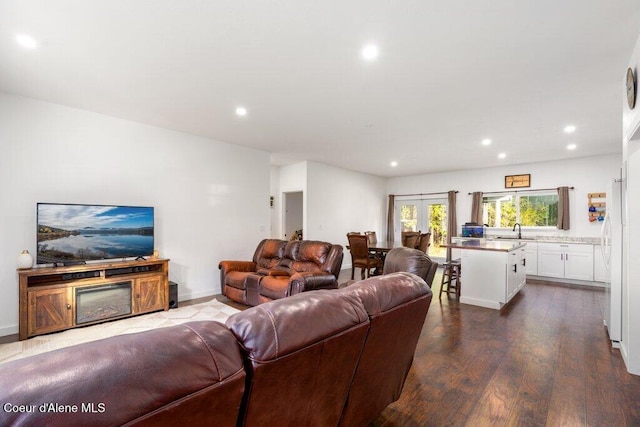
[
  {"x": 390, "y": 221},
  {"x": 563, "y": 208},
  {"x": 476, "y": 207},
  {"x": 452, "y": 225}
]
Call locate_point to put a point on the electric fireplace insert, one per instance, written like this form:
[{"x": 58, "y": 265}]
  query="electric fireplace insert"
[{"x": 103, "y": 302}]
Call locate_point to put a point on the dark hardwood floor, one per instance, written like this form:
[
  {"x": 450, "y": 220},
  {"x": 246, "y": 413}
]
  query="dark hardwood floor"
[{"x": 544, "y": 360}]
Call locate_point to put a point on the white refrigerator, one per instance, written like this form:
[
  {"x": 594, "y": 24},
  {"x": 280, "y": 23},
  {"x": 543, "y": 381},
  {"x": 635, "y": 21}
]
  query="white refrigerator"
[{"x": 611, "y": 248}]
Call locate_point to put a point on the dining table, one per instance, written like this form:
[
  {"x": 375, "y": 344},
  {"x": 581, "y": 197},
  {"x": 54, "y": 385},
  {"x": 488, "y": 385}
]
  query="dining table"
[
  {"x": 381, "y": 248},
  {"x": 384, "y": 246}
]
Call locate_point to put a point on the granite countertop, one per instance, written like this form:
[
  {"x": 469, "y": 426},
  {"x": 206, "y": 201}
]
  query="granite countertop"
[
  {"x": 488, "y": 245},
  {"x": 549, "y": 239}
]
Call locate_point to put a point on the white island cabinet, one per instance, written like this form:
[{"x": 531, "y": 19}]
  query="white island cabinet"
[{"x": 492, "y": 272}]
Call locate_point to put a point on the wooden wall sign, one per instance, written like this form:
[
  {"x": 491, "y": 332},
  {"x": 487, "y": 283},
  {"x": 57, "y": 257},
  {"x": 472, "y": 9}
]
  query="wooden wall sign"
[{"x": 517, "y": 181}]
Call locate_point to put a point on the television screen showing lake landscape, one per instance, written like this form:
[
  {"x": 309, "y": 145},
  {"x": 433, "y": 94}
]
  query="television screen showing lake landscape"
[{"x": 70, "y": 233}]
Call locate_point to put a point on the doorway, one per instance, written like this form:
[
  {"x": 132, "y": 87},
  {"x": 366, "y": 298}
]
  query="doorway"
[
  {"x": 427, "y": 215},
  {"x": 293, "y": 213}
]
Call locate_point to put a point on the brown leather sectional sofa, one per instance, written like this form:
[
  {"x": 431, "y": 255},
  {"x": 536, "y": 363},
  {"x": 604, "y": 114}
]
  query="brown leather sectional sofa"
[
  {"x": 280, "y": 269},
  {"x": 325, "y": 358}
]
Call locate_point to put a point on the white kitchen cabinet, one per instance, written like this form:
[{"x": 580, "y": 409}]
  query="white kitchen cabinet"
[
  {"x": 516, "y": 272},
  {"x": 531, "y": 257},
  {"x": 565, "y": 261},
  {"x": 550, "y": 260}
]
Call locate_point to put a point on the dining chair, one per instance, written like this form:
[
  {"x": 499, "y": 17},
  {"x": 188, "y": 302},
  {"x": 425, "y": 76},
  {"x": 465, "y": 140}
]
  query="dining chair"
[
  {"x": 410, "y": 238},
  {"x": 361, "y": 257},
  {"x": 371, "y": 235},
  {"x": 423, "y": 242}
]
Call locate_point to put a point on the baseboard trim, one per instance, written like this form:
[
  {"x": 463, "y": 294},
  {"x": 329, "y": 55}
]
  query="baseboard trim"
[
  {"x": 182, "y": 296},
  {"x": 8, "y": 330},
  {"x": 555, "y": 280}
]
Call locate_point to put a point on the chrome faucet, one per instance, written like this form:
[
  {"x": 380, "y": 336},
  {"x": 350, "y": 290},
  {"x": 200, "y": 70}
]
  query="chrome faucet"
[{"x": 519, "y": 230}]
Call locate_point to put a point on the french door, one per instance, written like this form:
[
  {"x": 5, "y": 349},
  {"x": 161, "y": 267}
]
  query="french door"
[{"x": 428, "y": 215}]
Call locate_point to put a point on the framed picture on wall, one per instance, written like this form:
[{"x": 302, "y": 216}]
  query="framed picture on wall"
[{"x": 517, "y": 181}]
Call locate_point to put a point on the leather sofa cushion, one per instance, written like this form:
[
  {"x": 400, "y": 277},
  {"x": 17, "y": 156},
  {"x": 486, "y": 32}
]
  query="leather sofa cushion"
[
  {"x": 313, "y": 252},
  {"x": 291, "y": 250},
  {"x": 305, "y": 256},
  {"x": 236, "y": 279},
  {"x": 398, "y": 289},
  {"x": 191, "y": 372},
  {"x": 274, "y": 287},
  {"x": 271, "y": 253}
]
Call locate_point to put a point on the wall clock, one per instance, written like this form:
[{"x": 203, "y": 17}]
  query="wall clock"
[
  {"x": 631, "y": 88},
  {"x": 517, "y": 181}
]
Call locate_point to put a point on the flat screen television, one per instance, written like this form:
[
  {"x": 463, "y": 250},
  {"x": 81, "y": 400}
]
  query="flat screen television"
[{"x": 74, "y": 233}]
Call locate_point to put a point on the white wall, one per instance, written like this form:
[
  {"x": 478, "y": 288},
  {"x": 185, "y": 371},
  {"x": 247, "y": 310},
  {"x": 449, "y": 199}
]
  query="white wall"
[
  {"x": 587, "y": 175},
  {"x": 630, "y": 345},
  {"x": 339, "y": 201},
  {"x": 210, "y": 198},
  {"x": 336, "y": 201}
]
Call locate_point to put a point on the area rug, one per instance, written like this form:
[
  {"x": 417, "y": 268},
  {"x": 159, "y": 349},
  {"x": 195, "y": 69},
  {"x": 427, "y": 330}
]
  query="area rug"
[{"x": 212, "y": 310}]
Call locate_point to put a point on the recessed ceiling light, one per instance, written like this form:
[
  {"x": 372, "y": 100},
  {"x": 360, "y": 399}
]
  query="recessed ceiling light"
[
  {"x": 241, "y": 111},
  {"x": 486, "y": 141},
  {"x": 569, "y": 129},
  {"x": 394, "y": 164},
  {"x": 26, "y": 41},
  {"x": 502, "y": 155},
  {"x": 572, "y": 147},
  {"x": 370, "y": 52}
]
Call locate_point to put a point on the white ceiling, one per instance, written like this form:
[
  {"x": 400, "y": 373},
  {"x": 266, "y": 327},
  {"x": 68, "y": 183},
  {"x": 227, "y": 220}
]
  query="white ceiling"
[{"x": 450, "y": 73}]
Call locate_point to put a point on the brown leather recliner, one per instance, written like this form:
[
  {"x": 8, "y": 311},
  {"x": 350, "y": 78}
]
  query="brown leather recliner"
[
  {"x": 301, "y": 353},
  {"x": 191, "y": 373},
  {"x": 306, "y": 266},
  {"x": 233, "y": 274},
  {"x": 412, "y": 261},
  {"x": 303, "y": 265},
  {"x": 397, "y": 305}
]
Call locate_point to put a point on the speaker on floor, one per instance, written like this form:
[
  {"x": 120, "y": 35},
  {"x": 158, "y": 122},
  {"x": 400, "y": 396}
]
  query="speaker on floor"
[{"x": 173, "y": 295}]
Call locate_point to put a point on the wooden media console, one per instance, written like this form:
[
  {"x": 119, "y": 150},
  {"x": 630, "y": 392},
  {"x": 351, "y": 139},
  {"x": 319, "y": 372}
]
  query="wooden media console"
[{"x": 59, "y": 298}]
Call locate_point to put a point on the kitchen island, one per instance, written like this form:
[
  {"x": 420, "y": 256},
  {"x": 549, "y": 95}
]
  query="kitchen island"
[{"x": 492, "y": 271}]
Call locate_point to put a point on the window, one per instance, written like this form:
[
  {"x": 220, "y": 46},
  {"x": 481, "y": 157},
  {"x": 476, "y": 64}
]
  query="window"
[
  {"x": 529, "y": 210},
  {"x": 408, "y": 218},
  {"x": 426, "y": 216}
]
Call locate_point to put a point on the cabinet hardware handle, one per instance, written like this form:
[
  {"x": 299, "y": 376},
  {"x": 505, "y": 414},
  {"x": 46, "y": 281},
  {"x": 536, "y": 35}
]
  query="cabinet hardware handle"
[
  {"x": 68, "y": 306},
  {"x": 515, "y": 268},
  {"x": 524, "y": 262},
  {"x": 566, "y": 257},
  {"x": 561, "y": 257}
]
